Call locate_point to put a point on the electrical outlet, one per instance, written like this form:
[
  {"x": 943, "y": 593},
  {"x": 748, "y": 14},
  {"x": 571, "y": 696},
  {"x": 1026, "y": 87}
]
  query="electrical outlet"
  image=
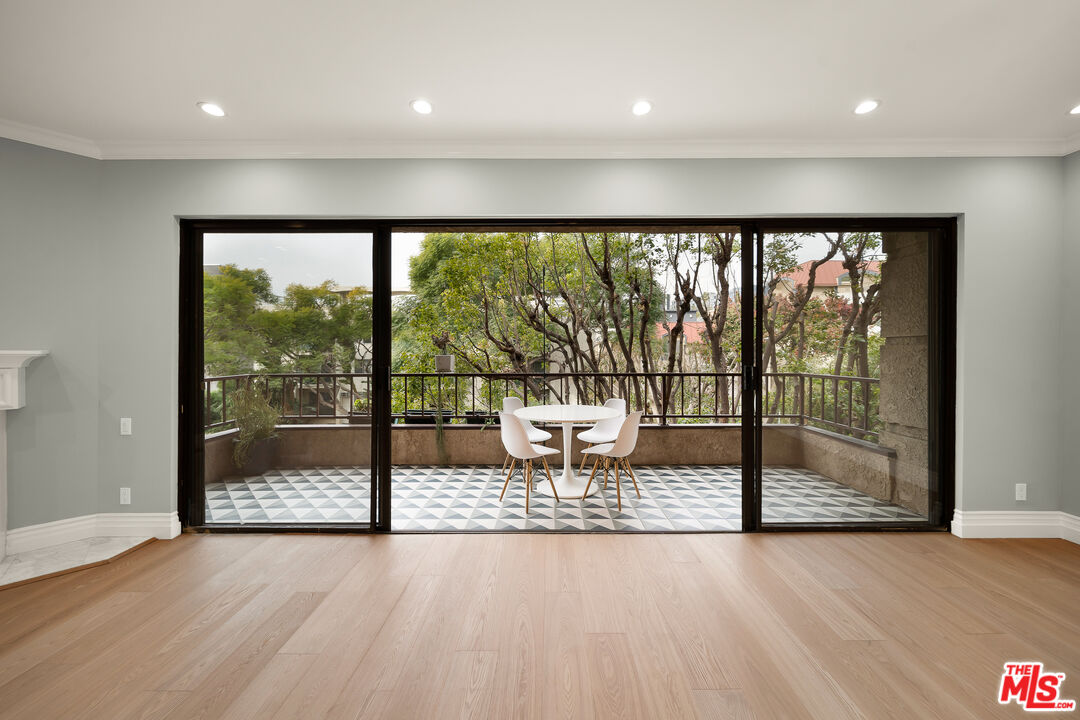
[
  {"x": 125, "y": 496},
  {"x": 125, "y": 426},
  {"x": 1021, "y": 491}
]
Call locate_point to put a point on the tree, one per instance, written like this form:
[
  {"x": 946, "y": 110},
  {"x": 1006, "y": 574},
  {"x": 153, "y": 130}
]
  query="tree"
[
  {"x": 587, "y": 302},
  {"x": 857, "y": 249},
  {"x": 720, "y": 311},
  {"x": 317, "y": 329},
  {"x": 232, "y": 344}
]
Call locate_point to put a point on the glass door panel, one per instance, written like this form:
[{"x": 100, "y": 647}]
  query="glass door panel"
[
  {"x": 846, "y": 378},
  {"x": 287, "y": 378},
  {"x": 650, "y": 316}
]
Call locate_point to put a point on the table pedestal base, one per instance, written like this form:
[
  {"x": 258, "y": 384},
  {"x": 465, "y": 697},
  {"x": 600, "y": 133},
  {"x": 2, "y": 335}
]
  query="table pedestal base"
[{"x": 568, "y": 483}]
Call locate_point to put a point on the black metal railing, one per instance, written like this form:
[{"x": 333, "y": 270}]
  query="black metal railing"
[{"x": 843, "y": 404}]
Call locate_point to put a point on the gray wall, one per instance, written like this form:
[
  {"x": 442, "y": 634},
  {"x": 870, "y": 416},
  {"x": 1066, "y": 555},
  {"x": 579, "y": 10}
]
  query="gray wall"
[
  {"x": 1070, "y": 489},
  {"x": 1008, "y": 424},
  {"x": 50, "y": 300}
]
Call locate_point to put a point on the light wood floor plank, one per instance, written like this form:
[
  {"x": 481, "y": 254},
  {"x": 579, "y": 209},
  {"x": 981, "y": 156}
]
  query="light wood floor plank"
[
  {"x": 217, "y": 692},
  {"x": 367, "y": 654},
  {"x": 614, "y": 678},
  {"x": 567, "y": 692},
  {"x": 269, "y": 688},
  {"x": 542, "y": 626},
  {"x": 722, "y": 705}
]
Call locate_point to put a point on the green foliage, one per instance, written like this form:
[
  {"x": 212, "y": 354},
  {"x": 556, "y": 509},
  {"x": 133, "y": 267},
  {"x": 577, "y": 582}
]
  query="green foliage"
[
  {"x": 310, "y": 329},
  {"x": 315, "y": 329},
  {"x": 520, "y": 302},
  {"x": 485, "y": 290},
  {"x": 232, "y": 343},
  {"x": 255, "y": 419}
]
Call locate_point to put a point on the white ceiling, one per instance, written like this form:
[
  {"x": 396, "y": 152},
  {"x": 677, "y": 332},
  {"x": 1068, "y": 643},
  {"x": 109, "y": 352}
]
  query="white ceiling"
[{"x": 542, "y": 78}]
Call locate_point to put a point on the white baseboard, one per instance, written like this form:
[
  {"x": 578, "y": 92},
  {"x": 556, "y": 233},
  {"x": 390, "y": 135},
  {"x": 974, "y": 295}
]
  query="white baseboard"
[
  {"x": 163, "y": 526},
  {"x": 1016, "y": 524},
  {"x": 1070, "y": 528}
]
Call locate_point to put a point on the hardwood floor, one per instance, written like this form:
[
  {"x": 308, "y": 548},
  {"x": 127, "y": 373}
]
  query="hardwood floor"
[{"x": 831, "y": 626}]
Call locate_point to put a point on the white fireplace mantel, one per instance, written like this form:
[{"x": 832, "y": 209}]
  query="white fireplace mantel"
[
  {"x": 12, "y": 397},
  {"x": 13, "y": 376}
]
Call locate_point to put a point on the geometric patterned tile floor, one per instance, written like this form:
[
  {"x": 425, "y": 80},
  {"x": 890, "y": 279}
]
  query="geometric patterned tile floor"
[{"x": 673, "y": 497}]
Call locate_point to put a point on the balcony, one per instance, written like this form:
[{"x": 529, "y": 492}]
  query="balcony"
[{"x": 820, "y": 451}]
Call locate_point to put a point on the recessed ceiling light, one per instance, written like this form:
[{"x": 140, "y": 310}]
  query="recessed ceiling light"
[
  {"x": 212, "y": 109},
  {"x": 421, "y": 106},
  {"x": 866, "y": 106},
  {"x": 1075, "y": 110},
  {"x": 641, "y": 107}
]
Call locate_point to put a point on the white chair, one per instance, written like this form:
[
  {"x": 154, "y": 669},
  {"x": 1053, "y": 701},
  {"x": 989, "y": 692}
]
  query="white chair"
[
  {"x": 517, "y": 445},
  {"x": 615, "y": 453},
  {"x": 604, "y": 431},
  {"x": 536, "y": 435}
]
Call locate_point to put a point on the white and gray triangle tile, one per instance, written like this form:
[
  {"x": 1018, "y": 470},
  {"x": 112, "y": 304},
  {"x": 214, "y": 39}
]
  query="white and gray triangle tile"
[{"x": 678, "y": 497}]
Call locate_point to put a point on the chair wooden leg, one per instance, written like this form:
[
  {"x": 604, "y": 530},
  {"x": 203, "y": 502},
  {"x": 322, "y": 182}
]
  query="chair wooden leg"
[
  {"x": 528, "y": 483},
  {"x": 509, "y": 475},
  {"x": 618, "y": 489},
  {"x": 550, "y": 481},
  {"x": 595, "y": 467},
  {"x": 630, "y": 472},
  {"x": 584, "y": 459},
  {"x": 504, "y": 462}
]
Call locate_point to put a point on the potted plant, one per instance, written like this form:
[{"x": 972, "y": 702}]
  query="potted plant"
[
  {"x": 255, "y": 449},
  {"x": 440, "y": 433},
  {"x": 443, "y": 363},
  {"x": 360, "y": 414}
]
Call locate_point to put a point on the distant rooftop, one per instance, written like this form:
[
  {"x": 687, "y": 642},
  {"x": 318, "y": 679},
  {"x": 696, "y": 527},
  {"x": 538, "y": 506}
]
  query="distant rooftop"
[{"x": 828, "y": 273}]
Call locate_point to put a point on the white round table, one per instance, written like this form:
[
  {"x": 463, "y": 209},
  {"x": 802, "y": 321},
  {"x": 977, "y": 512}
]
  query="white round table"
[{"x": 569, "y": 485}]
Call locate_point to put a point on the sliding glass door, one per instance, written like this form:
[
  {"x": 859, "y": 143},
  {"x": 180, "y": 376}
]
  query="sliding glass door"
[
  {"x": 788, "y": 375},
  {"x": 852, "y": 375},
  {"x": 286, "y": 387}
]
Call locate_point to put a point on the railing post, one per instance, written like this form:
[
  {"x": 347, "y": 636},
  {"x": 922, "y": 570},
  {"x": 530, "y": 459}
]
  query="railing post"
[
  {"x": 665, "y": 393},
  {"x": 850, "y": 405},
  {"x": 866, "y": 405},
  {"x": 802, "y": 399}
]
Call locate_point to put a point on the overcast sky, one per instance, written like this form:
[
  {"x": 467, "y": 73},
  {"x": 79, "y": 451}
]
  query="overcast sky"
[{"x": 311, "y": 258}]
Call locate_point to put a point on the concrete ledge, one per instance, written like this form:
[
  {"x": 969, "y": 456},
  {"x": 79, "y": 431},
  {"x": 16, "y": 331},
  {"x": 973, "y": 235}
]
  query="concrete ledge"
[
  {"x": 859, "y": 464},
  {"x": 863, "y": 444},
  {"x": 329, "y": 445}
]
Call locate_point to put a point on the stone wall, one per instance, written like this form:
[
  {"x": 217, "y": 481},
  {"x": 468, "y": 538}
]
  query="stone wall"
[
  {"x": 300, "y": 446},
  {"x": 904, "y": 400},
  {"x": 851, "y": 462},
  {"x": 856, "y": 463}
]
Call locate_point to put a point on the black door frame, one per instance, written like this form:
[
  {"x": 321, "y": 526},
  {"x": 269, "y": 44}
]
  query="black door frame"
[
  {"x": 943, "y": 252},
  {"x": 191, "y": 481},
  {"x": 941, "y": 352}
]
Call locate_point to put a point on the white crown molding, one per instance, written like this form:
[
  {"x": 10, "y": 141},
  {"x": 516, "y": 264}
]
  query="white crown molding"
[
  {"x": 250, "y": 150},
  {"x": 49, "y": 139},
  {"x": 1072, "y": 144},
  {"x": 163, "y": 526},
  {"x": 1016, "y": 524},
  {"x": 601, "y": 149}
]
